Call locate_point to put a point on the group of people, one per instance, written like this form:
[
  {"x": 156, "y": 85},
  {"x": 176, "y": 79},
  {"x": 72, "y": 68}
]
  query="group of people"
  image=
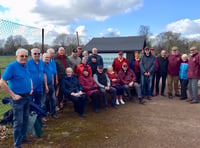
[{"x": 49, "y": 80}]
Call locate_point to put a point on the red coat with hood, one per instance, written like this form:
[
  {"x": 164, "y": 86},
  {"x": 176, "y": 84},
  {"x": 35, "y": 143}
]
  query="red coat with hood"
[{"x": 88, "y": 84}]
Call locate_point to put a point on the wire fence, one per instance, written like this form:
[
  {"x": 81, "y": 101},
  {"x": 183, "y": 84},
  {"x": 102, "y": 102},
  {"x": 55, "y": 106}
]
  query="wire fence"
[{"x": 14, "y": 36}]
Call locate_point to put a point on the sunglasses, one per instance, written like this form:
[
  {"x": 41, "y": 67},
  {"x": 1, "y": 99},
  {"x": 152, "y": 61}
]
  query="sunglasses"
[
  {"x": 23, "y": 56},
  {"x": 36, "y": 53}
]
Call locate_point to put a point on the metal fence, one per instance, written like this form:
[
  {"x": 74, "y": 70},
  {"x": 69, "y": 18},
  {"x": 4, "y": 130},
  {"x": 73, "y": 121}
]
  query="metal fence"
[{"x": 14, "y": 35}]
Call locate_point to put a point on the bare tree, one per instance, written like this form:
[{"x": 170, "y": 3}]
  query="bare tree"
[
  {"x": 145, "y": 31},
  {"x": 13, "y": 43},
  {"x": 65, "y": 40}
]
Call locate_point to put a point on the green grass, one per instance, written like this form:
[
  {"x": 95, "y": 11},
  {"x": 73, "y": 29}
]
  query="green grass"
[{"x": 4, "y": 61}]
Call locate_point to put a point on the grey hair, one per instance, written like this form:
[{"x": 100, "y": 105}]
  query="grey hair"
[
  {"x": 50, "y": 49},
  {"x": 69, "y": 69},
  {"x": 109, "y": 66},
  {"x": 84, "y": 58},
  {"x": 19, "y": 50},
  {"x": 32, "y": 50},
  {"x": 184, "y": 56}
]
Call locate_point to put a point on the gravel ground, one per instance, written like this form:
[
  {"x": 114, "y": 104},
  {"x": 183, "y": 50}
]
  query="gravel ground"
[{"x": 160, "y": 123}]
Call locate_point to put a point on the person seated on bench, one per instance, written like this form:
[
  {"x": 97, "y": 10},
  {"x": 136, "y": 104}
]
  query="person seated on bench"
[
  {"x": 115, "y": 82},
  {"x": 73, "y": 90},
  {"x": 103, "y": 83},
  {"x": 128, "y": 80},
  {"x": 90, "y": 88}
]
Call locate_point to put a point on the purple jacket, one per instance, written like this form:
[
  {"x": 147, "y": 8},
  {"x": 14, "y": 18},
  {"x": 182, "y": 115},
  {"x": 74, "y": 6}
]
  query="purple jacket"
[
  {"x": 174, "y": 62},
  {"x": 194, "y": 66}
]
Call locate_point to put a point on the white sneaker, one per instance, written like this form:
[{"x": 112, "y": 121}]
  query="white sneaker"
[
  {"x": 121, "y": 101},
  {"x": 117, "y": 102}
]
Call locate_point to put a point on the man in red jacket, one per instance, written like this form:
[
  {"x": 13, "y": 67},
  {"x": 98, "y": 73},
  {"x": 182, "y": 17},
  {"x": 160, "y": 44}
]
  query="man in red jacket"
[
  {"x": 174, "y": 61},
  {"x": 118, "y": 61},
  {"x": 193, "y": 74}
]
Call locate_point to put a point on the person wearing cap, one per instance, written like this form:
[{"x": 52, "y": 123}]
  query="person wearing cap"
[
  {"x": 93, "y": 64},
  {"x": 73, "y": 90},
  {"x": 174, "y": 61},
  {"x": 104, "y": 85},
  {"x": 193, "y": 74},
  {"x": 147, "y": 68},
  {"x": 79, "y": 69},
  {"x": 90, "y": 88},
  {"x": 117, "y": 62},
  {"x": 129, "y": 81},
  {"x": 62, "y": 62},
  {"x": 74, "y": 58},
  {"x": 99, "y": 59}
]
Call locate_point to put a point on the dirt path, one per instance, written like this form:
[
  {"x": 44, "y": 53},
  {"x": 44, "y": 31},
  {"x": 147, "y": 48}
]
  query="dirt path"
[{"x": 160, "y": 123}]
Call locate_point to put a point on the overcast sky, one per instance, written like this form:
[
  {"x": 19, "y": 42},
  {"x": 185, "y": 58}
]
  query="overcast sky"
[{"x": 97, "y": 18}]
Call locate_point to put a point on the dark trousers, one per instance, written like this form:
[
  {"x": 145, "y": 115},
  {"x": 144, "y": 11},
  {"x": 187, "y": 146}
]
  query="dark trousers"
[
  {"x": 79, "y": 103},
  {"x": 119, "y": 89},
  {"x": 153, "y": 82},
  {"x": 164, "y": 77},
  {"x": 184, "y": 84},
  {"x": 95, "y": 96}
]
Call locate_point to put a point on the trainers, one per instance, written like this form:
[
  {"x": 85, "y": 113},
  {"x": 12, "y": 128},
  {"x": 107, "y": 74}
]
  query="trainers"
[
  {"x": 117, "y": 102},
  {"x": 121, "y": 101}
]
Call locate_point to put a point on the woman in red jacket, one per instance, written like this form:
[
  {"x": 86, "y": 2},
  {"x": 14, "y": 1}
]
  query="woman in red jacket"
[
  {"x": 90, "y": 88},
  {"x": 81, "y": 66},
  {"x": 115, "y": 82}
]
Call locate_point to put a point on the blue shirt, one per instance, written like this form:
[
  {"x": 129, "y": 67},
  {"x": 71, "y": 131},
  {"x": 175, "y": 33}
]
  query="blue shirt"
[
  {"x": 37, "y": 74},
  {"x": 49, "y": 72},
  {"x": 53, "y": 66},
  {"x": 19, "y": 80},
  {"x": 183, "y": 71}
]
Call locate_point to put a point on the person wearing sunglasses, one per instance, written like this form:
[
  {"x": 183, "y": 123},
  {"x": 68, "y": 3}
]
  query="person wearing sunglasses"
[
  {"x": 16, "y": 81},
  {"x": 35, "y": 66}
]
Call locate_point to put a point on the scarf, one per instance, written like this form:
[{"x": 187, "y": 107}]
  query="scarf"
[{"x": 62, "y": 58}]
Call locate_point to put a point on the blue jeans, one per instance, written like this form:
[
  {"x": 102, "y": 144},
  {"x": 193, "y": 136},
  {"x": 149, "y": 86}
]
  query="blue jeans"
[
  {"x": 52, "y": 100},
  {"x": 193, "y": 89},
  {"x": 37, "y": 97},
  {"x": 20, "y": 119},
  {"x": 146, "y": 81}
]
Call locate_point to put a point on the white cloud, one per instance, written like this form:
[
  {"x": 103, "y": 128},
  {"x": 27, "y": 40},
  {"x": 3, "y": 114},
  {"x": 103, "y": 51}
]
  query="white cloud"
[
  {"x": 110, "y": 32},
  {"x": 59, "y": 15},
  {"x": 188, "y": 28},
  {"x": 62, "y": 12}
]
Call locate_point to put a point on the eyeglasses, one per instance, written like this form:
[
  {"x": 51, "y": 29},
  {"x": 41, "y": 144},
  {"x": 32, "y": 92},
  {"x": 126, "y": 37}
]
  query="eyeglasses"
[
  {"x": 125, "y": 66},
  {"x": 23, "y": 56},
  {"x": 36, "y": 53}
]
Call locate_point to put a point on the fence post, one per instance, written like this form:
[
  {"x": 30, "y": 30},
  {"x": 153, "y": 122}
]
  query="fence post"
[{"x": 42, "y": 40}]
